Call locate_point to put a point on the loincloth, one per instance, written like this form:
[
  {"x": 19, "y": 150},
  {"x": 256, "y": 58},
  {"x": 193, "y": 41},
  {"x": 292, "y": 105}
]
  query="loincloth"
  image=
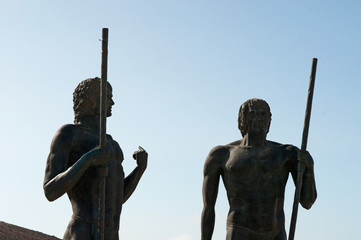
[{"x": 235, "y": 230}]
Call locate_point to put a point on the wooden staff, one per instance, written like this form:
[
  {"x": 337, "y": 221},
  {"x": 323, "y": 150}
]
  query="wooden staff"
[
  {"x": 103, "y": 171},
  {"x": 301, "y": 166}
]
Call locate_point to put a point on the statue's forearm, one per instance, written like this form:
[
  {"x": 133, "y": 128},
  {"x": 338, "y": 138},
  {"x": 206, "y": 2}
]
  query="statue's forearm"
[
  {"x": 65, "y": 181},
  {"x": 308, "y": 192},
  {"x": 131, "y": 182},
  {"x": 208, "y": 218}
]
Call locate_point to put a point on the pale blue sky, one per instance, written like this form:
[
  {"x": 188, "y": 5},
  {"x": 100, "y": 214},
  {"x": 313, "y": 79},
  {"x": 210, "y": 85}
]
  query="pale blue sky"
[{"x": 180, "y": 70}]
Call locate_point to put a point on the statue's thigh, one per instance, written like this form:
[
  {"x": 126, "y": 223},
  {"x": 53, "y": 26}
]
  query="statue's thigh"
[
  {"x": 281, "y": 236},
  {"x": 234, "y": 233}
]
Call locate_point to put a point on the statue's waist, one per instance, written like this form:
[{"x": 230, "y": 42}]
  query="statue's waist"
[
  {"x": 94, "y": 222},
  {"x": 257, "y": 219},
  {"x": 256, "y": 203},
  {"x": 256, "y": 232}
]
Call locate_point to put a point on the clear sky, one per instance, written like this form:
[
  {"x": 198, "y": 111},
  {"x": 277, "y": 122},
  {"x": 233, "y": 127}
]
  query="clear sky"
[{"x": 180, "y": 70}]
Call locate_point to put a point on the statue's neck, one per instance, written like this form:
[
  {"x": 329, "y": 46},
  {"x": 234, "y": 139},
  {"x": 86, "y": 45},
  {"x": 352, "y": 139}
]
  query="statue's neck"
[
  {"x": 91, "y": 122},
  {"x": 254, "y": 140}
]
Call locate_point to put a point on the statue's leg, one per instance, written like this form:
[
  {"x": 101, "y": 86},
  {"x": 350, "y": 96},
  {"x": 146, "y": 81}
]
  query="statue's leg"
[
  {"x": 281, "y": 236},
  {"x": 111, "y": 234}
]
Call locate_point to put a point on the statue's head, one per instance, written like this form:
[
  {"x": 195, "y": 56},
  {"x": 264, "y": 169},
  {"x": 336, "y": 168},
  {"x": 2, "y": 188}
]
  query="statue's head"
[
  {"x": 254, "y": 114},
  {"x": 86, "y": 99}
]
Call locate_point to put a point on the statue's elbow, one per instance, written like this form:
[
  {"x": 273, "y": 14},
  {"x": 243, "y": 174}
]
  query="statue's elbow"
[
  {"x": 307, "y": 204},
  {"x": 50, "y": 195}
]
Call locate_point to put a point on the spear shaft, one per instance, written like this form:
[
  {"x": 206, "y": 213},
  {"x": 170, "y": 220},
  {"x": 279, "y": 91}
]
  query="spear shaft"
[
  {"x": 103, "y": 171},
  {"x": 300, "y": 166},
  {"x": 103, "y": 88}
]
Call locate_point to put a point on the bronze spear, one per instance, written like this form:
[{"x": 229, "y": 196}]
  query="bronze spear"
[
  {"x": 103, "y": 171},
  {"x": 300, "y": 166}
]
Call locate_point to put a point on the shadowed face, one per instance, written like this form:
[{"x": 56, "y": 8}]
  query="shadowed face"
[
  {"x": 86, "y": 98},
  {"x": 94, "y": 101},
  {"x": 258, "y": 118},
  {"x": 110, "y": 102},
  {"x": 254, "y": 116}
]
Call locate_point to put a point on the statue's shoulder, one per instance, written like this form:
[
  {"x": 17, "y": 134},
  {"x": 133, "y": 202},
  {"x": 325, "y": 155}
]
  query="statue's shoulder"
[
  {"x": 62, "y": 140},
  {"x": 225, "y": 149},
  {"x": 65, "y": 133},
  {"x": 274, "y": 144},
  {"x": 65, "y": 130},
  {"x": 277, "y": 144},
  {"x": 235, "y": 143},
  {"x": 219, "y": 150},
  {"x": 68, "y": 128},
  {"x": 288, "y": 148},
  {"x": 217, "y": 156}
]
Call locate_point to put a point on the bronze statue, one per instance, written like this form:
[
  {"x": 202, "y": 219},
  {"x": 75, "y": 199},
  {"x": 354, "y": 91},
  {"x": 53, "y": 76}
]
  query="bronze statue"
[
  {"x": 73, "y": 163},
  {"x": 254, "y": 172}
]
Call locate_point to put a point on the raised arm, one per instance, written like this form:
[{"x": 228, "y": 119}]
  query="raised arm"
[
  {"x": 59, "y": 177},
  {"x": 212, "y": 172},
  {"x": 132, "y": 180}
]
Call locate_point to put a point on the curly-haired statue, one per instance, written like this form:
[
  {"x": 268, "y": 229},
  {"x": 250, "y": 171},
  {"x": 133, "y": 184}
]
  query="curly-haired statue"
[
  {"x": 84, "y": 102},
  {"x": 73, "y": 162},
  {"x": 254, "y": 172}
]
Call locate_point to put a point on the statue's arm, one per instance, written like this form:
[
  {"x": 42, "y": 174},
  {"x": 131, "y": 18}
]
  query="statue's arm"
[
  {"x": 308, "y": 191},
  {"x": 59, "y": 177},
  {"x": 132, "y": 180},
  {"x": 212, "y": 173}
]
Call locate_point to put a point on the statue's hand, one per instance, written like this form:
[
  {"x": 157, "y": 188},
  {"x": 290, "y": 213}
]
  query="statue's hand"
[
  {"x": 98, "y": 156},
  {"x": 141, "y": 156},
  {"x": 305, "y": 158}
]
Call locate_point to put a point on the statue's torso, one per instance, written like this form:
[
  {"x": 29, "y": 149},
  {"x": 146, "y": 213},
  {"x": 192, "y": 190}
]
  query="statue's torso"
[
  {"x": 255, "y": 180},
  {"x": 84, "y": 196}
]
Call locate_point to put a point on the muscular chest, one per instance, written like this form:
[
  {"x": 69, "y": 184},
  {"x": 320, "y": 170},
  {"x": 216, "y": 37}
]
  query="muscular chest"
[
  {"x": 248, "y": 161},
  {"x": 255, "y": 173},
  {"x": 85, "y": 140}
]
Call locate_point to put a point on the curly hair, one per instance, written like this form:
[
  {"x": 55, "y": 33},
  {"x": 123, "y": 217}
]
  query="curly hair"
[
  {"x": 83, "y": 98},
  {"x": 244, "y": 109}
]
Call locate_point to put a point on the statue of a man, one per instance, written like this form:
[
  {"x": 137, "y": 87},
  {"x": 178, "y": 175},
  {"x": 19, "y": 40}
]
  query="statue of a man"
[
  {"x": 73, "y": 163},
  {"x": 254, "y": 172}
]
